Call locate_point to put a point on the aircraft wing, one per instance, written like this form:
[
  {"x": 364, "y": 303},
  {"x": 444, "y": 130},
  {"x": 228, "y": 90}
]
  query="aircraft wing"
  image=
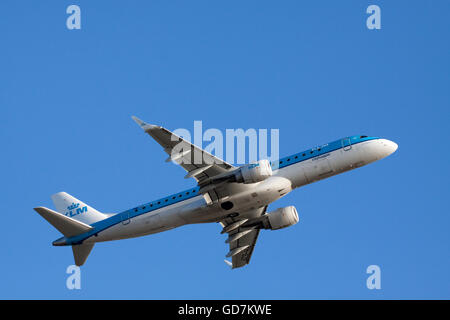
[
  {"x": 242, "y": 240},
  {"x": 199, "y": 164}
]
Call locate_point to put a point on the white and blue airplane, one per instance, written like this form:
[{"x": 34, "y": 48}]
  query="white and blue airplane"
[{"x": 235, "y": 197}]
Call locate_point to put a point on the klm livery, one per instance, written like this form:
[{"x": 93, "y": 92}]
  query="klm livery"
[{"x": 235, "y": 197}]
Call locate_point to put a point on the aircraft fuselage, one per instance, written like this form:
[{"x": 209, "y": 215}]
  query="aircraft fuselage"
[{"x": 190, "y": 206}]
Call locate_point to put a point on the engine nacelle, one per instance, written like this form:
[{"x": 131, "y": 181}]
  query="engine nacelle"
[
  {"x": 281, "y": 218},
  {"x": 254, "y": 172}
]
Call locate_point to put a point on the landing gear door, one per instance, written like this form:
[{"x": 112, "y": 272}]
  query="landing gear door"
[{"x": 346, "y": 144}]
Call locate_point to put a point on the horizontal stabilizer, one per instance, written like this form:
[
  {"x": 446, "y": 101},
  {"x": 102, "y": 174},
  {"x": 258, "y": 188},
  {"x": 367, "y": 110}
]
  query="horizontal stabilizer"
[
  {"x": 81, "y": 252},
  {"x": 67, "y": 226}
]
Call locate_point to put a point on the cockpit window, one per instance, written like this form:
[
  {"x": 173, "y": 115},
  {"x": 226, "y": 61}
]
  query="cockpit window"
[{"x": 363, "y": 137}]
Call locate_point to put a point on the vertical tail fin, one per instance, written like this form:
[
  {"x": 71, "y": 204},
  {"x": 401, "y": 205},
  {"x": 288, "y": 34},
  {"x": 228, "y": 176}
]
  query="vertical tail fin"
[{"x": 76, "y": 209}]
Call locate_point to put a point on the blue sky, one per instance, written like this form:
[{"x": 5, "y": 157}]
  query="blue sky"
[{"x": 311, "y": 69}]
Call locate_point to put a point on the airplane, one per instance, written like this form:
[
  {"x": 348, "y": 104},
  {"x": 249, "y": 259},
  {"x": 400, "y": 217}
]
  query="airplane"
[{"x": 235, "y": 197}]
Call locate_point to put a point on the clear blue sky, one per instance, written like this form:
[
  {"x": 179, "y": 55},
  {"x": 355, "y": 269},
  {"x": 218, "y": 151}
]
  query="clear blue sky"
[{"x": 311, "y": 69}]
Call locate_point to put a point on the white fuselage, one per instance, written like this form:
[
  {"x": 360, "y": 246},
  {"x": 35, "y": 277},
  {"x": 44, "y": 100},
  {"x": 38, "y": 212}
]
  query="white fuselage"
[{"x": 246, "y": 198}]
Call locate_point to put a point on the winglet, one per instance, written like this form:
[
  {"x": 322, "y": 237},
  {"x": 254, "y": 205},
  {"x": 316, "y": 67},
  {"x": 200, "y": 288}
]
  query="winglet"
[
  {"x": 228, "y": 263},
  {"x": 145, "y": 126}
]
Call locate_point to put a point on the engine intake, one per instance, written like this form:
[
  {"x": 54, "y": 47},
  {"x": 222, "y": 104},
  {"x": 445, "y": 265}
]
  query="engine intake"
[
  {"x": 254, "y": 172},
  {"x": 281, "y": 218}
]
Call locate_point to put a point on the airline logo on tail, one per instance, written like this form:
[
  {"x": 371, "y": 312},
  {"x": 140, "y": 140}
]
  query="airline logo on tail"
[{"x": 75, "y": 210}]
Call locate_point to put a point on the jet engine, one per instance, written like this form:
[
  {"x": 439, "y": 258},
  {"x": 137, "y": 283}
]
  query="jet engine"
[
  {"x": 254, "y": 172},
  {"x": 281, "y": 218}
]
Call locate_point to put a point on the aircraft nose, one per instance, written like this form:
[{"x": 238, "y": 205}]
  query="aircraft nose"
[{"x": 389, "y": 147}]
